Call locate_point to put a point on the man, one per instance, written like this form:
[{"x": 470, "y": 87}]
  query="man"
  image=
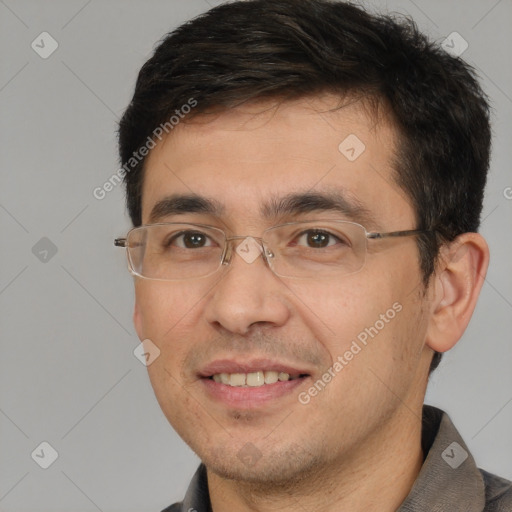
[{"x": 305, "y": 182}]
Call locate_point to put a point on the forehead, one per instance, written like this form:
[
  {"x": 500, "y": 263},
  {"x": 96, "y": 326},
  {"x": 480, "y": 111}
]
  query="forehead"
[{"x": 242, "y": 157}]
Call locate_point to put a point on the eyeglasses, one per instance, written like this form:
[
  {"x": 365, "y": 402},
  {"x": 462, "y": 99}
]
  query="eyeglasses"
[{"x": 310, "y": 249}]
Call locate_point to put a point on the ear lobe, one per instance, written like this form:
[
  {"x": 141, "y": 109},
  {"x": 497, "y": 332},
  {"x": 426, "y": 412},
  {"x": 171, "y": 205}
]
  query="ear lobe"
[{"x": 456, "y": 286}]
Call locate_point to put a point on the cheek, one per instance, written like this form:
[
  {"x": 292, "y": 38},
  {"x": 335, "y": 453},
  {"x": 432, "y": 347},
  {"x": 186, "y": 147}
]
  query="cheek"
[
  {"x": 338, "y": 312},
  {"x": 376, "y": 309},
  {"x": 170, "y": 316},
  {"x": 163, "y": 307}
]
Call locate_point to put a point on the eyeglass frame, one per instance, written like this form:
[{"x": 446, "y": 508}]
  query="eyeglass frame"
[{"x": 226, "y": 255}]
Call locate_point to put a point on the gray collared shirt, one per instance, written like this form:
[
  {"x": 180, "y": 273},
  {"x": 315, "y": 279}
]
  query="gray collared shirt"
[{"x": 449, "y": 480}]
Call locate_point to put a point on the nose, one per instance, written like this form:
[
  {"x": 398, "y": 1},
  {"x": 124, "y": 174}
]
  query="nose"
[{"x": 248, "y": 294}]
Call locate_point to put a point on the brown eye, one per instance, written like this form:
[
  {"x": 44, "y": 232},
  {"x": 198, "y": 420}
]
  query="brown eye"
[
  {"x": 317, "y": 239},
  {"x": 194, "y": 240},
  {"x": 189, "y": 240}
]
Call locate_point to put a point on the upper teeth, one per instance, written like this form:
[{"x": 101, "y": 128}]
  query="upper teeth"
[{"x": 252, "y": 379}]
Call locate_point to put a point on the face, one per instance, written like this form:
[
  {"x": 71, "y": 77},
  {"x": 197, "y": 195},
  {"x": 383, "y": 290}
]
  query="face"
[{"x": 353, "y": 345}]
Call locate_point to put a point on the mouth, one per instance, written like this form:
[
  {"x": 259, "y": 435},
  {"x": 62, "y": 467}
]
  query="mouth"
[{"x": 248, "y": 385}]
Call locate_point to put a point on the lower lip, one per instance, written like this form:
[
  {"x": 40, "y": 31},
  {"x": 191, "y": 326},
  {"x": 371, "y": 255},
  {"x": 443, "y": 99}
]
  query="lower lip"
[{"x": 250, "y": 397}]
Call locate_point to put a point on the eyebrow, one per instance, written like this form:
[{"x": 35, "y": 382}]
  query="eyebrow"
[
  {"x": 181, "y": 204},
  {"x": 295, "y": 204},
  {"x": 274, "y": 208}
]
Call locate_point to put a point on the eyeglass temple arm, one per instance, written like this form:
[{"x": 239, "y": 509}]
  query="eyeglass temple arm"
[
  {"x": 389, "y": 234},
  {"x": 120, "y": 242}
]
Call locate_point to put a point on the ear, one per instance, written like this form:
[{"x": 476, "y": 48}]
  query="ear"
[
  {"x": 137, "y": 320},
  {"x": 456, "y": 284}
]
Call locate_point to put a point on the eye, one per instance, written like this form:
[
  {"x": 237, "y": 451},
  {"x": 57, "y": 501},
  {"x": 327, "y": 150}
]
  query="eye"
[
  {"x": 317, "y": 239},
  {"x": 189, "y": 240}
]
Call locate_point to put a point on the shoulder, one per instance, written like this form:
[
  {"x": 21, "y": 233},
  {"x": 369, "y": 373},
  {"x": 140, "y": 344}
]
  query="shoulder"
[{"x": 498, "y": 493}]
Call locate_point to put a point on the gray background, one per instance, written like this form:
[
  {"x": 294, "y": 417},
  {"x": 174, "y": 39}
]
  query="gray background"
[{"x": 68, "y": 375}]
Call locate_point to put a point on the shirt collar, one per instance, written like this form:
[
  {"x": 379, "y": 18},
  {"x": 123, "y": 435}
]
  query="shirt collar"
[
  {"x": 197, "y": 498},
  {"x": 449, "y": 476}
]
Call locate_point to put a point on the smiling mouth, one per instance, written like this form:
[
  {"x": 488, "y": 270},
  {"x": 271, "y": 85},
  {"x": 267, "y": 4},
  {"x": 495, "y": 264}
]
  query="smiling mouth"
[{"x": 254, "y": 379}]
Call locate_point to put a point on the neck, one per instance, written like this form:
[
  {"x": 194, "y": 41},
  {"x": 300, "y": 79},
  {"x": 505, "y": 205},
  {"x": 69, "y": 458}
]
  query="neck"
[{"x": 377, "y": 476}]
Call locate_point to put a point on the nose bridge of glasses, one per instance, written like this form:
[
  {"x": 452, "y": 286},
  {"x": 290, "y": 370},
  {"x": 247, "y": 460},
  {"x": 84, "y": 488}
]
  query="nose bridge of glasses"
[{"x": 231, "y": 242}]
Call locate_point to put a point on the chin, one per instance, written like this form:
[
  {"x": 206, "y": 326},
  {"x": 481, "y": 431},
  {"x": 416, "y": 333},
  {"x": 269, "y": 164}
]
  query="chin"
[{"x": 269, "y": 467}]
